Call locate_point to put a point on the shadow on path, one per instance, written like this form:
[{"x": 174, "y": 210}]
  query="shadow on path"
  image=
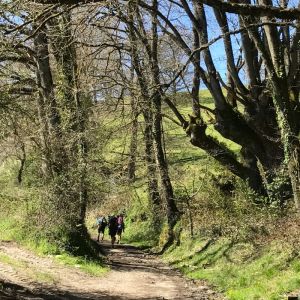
[
  {"x": 126, "y": 258},
  {"x": 10, "y": 291},
  {"x": 135, "y": 275},
  {"x": 14, "y": 291}
]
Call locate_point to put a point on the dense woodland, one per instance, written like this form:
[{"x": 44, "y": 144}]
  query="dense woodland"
[{"x": 91, "y": 92}]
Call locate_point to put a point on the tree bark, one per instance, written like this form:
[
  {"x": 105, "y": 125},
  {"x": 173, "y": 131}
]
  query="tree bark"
[
  {"x": 74, "y": 105},
  {"x": 22, "y": 163},
  {"x": 134, "y": 133},
  {"x": 47, "y": 107},
  {"x": 172, "y": 211},
  {"x": 147, "y": 114}
]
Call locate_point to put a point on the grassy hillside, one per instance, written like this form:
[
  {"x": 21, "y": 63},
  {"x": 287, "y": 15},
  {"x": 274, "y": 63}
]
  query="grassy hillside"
[{"x": 242, "y": 270}]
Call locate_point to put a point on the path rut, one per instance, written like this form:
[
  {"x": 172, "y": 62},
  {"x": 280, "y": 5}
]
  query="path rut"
[{"x": 134, "y": 275}]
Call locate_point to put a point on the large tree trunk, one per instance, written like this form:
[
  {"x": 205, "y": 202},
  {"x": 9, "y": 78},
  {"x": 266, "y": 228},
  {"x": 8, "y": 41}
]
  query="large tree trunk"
[
  {"x": 287, "y": 114},
  {"x": 74, "y": 105},
  {"x": 47, "y": 107},
  {"x": 289, "y": 140}
]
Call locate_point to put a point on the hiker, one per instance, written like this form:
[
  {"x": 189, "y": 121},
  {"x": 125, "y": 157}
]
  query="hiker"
[
  {"x": 121, "y": 227},
  {"x": 101, "y": 223},
  {"x": 113, "y": 227}
]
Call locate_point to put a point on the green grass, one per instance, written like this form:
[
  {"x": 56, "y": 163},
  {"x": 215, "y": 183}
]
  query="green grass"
[
  {"x": 84, "y": 264},
  {"x": 240, "y": 270},
  {"x": 92, "y": 266},
  {"x": 138, "y": 222},
  {"x": 8, "y": 229},
  {"x": 140, "y": 234},
  {"x": 31, "y": 271},
  {"x": 44, "y": 277},
  {"x": 12, "y": 262},
  {"x": 16, "y": 204}
]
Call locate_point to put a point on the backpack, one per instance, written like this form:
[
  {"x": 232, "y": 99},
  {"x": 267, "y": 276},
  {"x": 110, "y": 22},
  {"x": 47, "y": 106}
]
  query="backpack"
[
  {"x": 113, "y": 222},
  {"x": 103, "y": 222}
]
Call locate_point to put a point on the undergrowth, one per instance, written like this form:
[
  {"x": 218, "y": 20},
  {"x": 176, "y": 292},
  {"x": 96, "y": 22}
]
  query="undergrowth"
[
  {"x": 240, "y": 270},
  {"x": 21, "y": 221}
]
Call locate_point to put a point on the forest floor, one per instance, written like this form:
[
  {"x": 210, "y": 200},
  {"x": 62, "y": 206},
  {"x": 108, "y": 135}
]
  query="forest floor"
[{"x": 133, "y": 274}]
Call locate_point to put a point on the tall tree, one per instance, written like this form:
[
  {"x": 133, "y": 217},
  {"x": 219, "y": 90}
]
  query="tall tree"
[
  {"x": 147, "y": 114},
  {"x": 258, "y": 136}
]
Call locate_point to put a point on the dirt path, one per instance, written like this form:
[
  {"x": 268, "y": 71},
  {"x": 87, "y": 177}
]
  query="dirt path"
[{"x": 134, "y": 275}]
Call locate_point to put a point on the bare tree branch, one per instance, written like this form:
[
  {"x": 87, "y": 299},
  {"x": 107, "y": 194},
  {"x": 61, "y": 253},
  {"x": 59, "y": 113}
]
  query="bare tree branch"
[{"x": 257, "y": 10}]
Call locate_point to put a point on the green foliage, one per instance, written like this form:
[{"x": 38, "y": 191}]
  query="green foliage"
[
  {"x": 278, "y": 188},
  {"x": 20, "y": 222},
  {"x": 29, "y": 215},
  {"x": 32, "y": 174},
  {"x": 141, "y": 234},
  {"x": 10, "y": 229},
  {"x": 184, "y": 98}
]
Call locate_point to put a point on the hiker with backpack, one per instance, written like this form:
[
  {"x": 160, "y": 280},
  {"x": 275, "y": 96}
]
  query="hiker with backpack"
[
  {"x": 120, "y": 228},
  {"x": 101, "y": 223},
  {"x": 113, "y": 227}
]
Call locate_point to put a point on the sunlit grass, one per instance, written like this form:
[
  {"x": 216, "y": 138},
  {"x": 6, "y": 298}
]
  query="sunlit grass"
[
  {"x": 237, "y": 270},
  {"x": 44, "y": 277},
  {"x": 4, "y": 258},
  {"x": 86, "y": 265}
]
